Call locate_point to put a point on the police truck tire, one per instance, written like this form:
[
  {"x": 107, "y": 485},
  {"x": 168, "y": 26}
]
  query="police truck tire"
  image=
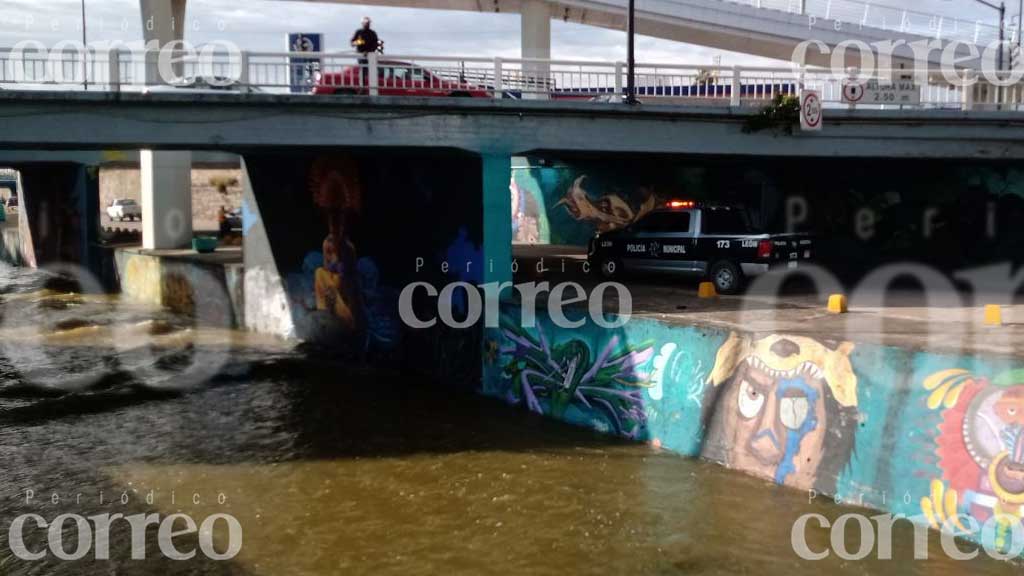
[
  {"x": 609, "y": 267},
  {"x": 727, "y": 277}
]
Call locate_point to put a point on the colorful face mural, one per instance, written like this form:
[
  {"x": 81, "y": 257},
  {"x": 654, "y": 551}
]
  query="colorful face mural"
[
  {"x": 553, "y": 378},
  {"x": 981, "y": 451},
  {"x": 609, "y": 212},
  {"x": 782, "y": 407},
  {"x": 931, "y": 440}
]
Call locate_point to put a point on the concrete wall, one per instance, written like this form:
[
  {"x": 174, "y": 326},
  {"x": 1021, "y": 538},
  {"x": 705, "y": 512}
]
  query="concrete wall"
[
  {"x": 208, "y": 288},
  {"x": 487, "y": 126},
  {"x": 10, "y": 243},
  {"x": 57, "y": 213},
  {"x": 898, "y": 430}
]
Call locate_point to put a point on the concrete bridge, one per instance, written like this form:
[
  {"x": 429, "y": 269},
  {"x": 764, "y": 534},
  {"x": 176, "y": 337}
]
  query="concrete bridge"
[
  {"x": 232, "y": 122},
  {"x": 764, "y": 28},
  {"x": 349, "y": 199},
  {"x": 490, "y": 131}
]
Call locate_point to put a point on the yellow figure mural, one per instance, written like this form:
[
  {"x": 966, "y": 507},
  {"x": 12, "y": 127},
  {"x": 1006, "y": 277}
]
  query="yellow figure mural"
[{"x": 337, "y": 193}]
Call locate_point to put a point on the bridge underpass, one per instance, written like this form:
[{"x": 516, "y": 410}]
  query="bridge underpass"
[
  {"x": 343, "y": 195},
  {"x": 492, "y": 132},
  {"x": 496, "y": 129},
  {"x": 762, "y": 29}
]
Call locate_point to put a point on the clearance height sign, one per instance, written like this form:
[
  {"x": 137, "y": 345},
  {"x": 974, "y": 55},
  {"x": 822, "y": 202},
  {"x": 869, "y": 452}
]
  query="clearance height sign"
[{"x": 810, "y": 110}]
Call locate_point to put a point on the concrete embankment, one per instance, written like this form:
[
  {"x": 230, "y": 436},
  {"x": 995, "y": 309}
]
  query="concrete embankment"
[{"x": 914, "y": 432}]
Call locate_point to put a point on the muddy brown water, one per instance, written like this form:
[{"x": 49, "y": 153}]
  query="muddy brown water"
[{"x": 331, "y": 469}]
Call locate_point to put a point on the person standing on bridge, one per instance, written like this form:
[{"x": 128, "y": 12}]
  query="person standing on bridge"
[{"x": 365, "y": 40}]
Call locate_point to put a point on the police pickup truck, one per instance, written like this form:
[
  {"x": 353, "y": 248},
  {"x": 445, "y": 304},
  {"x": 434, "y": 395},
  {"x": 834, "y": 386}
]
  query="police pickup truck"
[{"x": 701, "y": 240}]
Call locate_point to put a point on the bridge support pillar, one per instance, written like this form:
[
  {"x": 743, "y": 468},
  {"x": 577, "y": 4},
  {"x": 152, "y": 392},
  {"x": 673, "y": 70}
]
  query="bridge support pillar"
[
  {"x": 497, "y": 204},
  {"x": 536, "y": 43},
  {"x": 163, "y": 22},
  {"x": 166, "y": 199},
  {"x": 166, "y": 176}
]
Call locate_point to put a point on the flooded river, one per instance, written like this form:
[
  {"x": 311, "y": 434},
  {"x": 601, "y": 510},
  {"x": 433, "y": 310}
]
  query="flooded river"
[{"x": 107, "y": 408}]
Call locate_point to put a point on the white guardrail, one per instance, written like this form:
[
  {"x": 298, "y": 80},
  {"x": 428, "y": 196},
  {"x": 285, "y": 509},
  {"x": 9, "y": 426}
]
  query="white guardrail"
[
  {"x": 890, "y": 18},
  {"x": 344, "y": 73}
]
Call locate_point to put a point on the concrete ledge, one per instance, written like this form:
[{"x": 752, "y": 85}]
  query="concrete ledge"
[
  {"x": 41, "y": 120},
  {"x": 206, "y": 286},
  {"x": 485, "y": 105},
  {"x": 10, "y": 242}
]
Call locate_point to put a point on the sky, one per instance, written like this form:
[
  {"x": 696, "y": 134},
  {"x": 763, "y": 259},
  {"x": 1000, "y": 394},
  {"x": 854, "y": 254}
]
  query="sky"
[{"x": 262, "y": 25}]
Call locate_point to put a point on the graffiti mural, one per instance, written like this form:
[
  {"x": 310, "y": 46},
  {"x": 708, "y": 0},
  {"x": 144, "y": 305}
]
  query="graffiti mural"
[
  {"x": 345, "y": 231},
  {"x": 981, "y": 452},
  {"x": 782, "y": 407},
  {"x": 567, "y": 203},
  {"x": 525, "y": 217},
  {"x": 900, "y": 430},
  {"x": 549, "y": 377},
  {"x": 604, "y": 213},
  {"x": 337, "y": 193}
]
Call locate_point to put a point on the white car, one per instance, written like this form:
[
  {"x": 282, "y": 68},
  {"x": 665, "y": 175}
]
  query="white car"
[{"x": 124, "y": 209}]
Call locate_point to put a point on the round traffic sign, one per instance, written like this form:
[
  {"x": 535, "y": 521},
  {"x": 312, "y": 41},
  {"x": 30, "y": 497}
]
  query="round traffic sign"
[
  {"x": 853, "y": 92},
  {"x": 811, "y": 110}
]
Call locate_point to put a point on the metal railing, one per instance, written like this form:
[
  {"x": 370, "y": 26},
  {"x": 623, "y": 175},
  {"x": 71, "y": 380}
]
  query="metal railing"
[
  {"x": 890, "y": 18},
  {"x": 323, "y": 74}
]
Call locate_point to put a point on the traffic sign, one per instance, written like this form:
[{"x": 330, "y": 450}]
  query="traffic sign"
[
  {"x": 810, "y": 110},
  {"x": 853, "y": 92},
  {"x": 302, "y": 70},
  {"x": 896, "y": 93}
]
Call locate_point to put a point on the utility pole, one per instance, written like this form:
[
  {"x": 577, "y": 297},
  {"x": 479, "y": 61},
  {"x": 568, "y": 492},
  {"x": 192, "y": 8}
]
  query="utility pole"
[
  {"x": 630, "y": 57},
  {"x": 85, "y": 52},
  {"x": 1003, "y": 32},
  {"x": 1020, "y": 24},
  {"x": 1001, "y": 7}
]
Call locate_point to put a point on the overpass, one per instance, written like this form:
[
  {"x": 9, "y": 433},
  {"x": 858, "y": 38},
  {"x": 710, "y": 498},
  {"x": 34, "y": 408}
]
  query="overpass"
[
  {"x": 237, "y": 123},
  {"x": 769, "y": 28},
  {"x": 485, "y": 131},
  {"x": 766, "y": 28}
]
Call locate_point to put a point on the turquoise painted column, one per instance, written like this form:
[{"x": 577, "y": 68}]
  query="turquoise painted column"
[
  {"x": 497, "y": 249},
  {"x": 497, "y": 253}
]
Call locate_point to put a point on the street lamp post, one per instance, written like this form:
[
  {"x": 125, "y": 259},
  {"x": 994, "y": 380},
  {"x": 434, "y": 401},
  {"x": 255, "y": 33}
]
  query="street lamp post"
[
  {"x": 1001, "y": 7},
  {"x": 85, "y": 52},
  {"x": 1020, "y": 24},
  {"x": 630, "y": 59}
]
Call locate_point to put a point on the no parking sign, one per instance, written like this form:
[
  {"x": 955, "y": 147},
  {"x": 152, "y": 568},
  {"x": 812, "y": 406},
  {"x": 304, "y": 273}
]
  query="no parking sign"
[{"x": 810, "y": 110}]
